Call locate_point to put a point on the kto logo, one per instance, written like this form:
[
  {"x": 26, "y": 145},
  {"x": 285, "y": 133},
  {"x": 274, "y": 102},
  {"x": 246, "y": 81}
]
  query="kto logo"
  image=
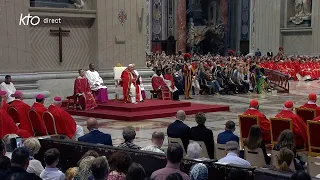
[{"x": 25, "y": 20}]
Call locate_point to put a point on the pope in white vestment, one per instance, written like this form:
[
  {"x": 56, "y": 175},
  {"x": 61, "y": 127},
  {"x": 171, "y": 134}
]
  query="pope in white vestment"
[
  {"x": 8, "y": 86},
  {"x": 99, "y": 91}
]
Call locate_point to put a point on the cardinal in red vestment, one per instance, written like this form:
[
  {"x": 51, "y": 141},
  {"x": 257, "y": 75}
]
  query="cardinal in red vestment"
[
  {"x": 264, "y": 123},
  {"x": 65, "y": 124},
  {"x": 83, "y": 92},
  {"x": 130, "y": 84},
  {"x": 298, "y": 125},
  {"x": 5, "y": 105},
  {"x": 158, "y": 83},
  {"x": 23, "y": 110},
  {"x": 312, "y": 103},
  {"x": 40, "y": 109},
  {"x": 169, "y": 77}
]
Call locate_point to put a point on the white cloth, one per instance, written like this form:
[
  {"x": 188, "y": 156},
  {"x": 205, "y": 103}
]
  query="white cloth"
[
  {"x": 10, "y": 89},
  {"x": 52, "y": 174},
  {"x": 132, "y": 94},
  {"x": 152, "y": 148},
  {"x": 140, "y": 85},
  {"x": 233, "y": 158},
  {"x": 95, "y": 81},
  {"x": 79, "y": 132},
  {"x": 35, "y": 167}
]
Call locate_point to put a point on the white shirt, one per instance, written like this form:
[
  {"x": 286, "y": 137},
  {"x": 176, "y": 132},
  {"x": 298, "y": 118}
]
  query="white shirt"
[
  {"x": 35, "y": 167},
  {"x": 10, "y": 89},
  {"x": 153, "y": 148},
  {"x": 232, "y": 158},
  {"x": 95, "y": 80},
  {"x": 52, "y": 174}
]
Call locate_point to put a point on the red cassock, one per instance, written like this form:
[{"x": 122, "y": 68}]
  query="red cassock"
[
  {"x": 65, "y": 124},
  {"x": 7, "y": 126},
  {"x": 312, "y": 106},
  {"x": 299, "y": 127},
  {"x": 5, "y": 105},
  {"x": 82, "y": 86},
  {"x": 157, "y": 83},
  {"x": 264, "y": 124},
  {"x": 128, "y": 77},
  {"x": 23, "y": 110},
  {"x": 170, "y": 78},
  {"x": 40, "y": 109}
]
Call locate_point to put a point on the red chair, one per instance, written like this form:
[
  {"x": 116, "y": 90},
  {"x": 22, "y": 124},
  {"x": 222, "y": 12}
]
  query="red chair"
[
  {"x": 166, "y": 93},
  {"x": 50, "y": 123},
  {"x": 245, "y": 123},
  {"x": 37, "y": 123},
  {"x": 12, "y": 111},
  {"x": 306, "y": 113},
  {"x": 313, "y": 137},
  {"x": 277, "y": 125},
  {"x": 73, "y": 102}
]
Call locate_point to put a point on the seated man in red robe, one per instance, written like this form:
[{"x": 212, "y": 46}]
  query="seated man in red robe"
[
  {"x": 169, "y": 79},
  {"x": 130, "y": 84},
  {"x": 5, "y": 105},
  {"x": 264, "y": 123},
  {"x": 158, "y": 83},
  {"x": 312, "y": 103},
  {"x": 298, "y": 125},
  {"x": 65, "y": 124},
  {"x": 7, "y": 125},
  {"x": 83, "y": 92},
  {"x": 23, "y": 110},
  {"x": 40, "y": 109}
]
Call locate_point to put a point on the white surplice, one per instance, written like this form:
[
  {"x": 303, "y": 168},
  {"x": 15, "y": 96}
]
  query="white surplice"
[
  {"x": 140, "y": 85},
  {"x": 95, "y": 81},
  {"x": 10, "y": 89}
]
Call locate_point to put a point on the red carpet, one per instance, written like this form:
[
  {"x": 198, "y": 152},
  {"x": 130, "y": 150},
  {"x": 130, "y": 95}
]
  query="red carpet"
[{"x": 149, "y": 109}]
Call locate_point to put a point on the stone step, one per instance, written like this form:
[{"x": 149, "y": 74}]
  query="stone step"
[
  {"x": 52, "y": 3},
  {"x": 27, "y": 86}
]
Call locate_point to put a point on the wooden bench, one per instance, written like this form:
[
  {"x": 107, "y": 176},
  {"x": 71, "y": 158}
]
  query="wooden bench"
[{"x": 278, "y": 80}]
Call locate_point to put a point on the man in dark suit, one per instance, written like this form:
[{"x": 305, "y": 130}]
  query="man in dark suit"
[
  {"x": 95, "y": 136},
  {"x": 228, "y": 135},
  {"x": 178, "y": 129}
]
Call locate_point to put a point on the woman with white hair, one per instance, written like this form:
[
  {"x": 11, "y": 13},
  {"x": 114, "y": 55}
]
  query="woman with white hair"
[
  {"x": 33, "y": 145},
  {"x": 194, "y": 151}
]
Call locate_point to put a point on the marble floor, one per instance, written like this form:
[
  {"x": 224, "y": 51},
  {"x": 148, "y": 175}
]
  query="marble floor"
[{"x": 270, "y": 105}]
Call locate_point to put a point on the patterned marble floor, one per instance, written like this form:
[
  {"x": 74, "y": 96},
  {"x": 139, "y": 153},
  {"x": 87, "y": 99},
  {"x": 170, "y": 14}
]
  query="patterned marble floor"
[{"x": 270, "y": 105}]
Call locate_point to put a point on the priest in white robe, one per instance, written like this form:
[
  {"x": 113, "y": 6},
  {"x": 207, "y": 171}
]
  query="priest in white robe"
[
  {"x": 8, "y": 86},
  {"x": 99, "y": 91}
]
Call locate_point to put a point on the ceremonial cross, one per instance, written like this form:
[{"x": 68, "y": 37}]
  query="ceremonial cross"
[{"x": 60, "y": 33}]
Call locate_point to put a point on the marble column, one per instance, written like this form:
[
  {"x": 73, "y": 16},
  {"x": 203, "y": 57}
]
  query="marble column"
[
  {"x": 224, "y": 12},
  {"x": 181, "y": 25}
]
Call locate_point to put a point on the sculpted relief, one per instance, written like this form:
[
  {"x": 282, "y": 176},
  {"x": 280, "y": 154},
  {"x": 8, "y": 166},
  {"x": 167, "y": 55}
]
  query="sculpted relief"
[{"x": 302, "y": 10}]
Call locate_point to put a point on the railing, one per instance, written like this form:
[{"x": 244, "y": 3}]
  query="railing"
[{"x": 278, "y": 80}]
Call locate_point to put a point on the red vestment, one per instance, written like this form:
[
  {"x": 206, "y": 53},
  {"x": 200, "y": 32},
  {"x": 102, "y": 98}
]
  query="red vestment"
[
  {"x": 9, "y": 127},
  {"x": 5, "y": 105},
  {"x": 264, "y": 124},
  {"x": 157, "y": 82},
  {"x": 170, "y": 78},
  {"x": 299, "y": 127},
  {"x": 65, "y": 124},
  {"x": 317, "y": 118},
  {"x": 86, "y": 100},
  {"x": 312, "y": 106},
  {"x": 23, "y": 110},
  {"x": 40, "y": 109},
  {"x": 128, "y": 77}
]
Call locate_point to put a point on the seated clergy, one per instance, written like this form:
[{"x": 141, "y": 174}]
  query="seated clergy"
[
  {"x": 130, "y": 84},
  {"x": 158, "y": 83},
  {"x": 169, "y": 80},
  {"x": 298, "y": 125},
  {"x": 264, "y": 123},
  {"x": 312, "y": 103},
  {"x": 83, "y": 92},
  {"x": 99, "y": 91},
  {"x": 23, "y": 110},
  {"x": 65, "y": 124},
  {"x": 9, "y": 126},
  {"x": 38, "y": 105},
  {"x": 4, "y": 97},
  {"x": 95, "y": 136},
  {"x": 8, "y": 86}
]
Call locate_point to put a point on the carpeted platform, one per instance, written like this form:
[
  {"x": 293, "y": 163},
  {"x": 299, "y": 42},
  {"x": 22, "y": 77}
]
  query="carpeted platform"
[{"x": 149, "y": 109}]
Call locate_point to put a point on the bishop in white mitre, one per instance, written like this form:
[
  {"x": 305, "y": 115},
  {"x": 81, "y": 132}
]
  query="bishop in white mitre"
[
  {"x": 8, "y": 86},
  {"x": 99, "y": 91}
]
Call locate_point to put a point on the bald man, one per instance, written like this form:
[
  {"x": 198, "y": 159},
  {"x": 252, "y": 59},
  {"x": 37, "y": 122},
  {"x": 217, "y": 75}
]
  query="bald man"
[
  {"x": 178, "y": 129},
  {"x": 95, "y": 136}
]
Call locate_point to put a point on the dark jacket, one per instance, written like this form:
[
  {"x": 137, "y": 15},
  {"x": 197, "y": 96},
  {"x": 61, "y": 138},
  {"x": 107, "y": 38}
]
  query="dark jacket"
[
  {"x": 201, "y": 133},
  {"x": 18, "y": 173},
  {"x": 96, "y": 137},
  {"x": 180, "y": 130},
  {"x": 227, "y": 136}
]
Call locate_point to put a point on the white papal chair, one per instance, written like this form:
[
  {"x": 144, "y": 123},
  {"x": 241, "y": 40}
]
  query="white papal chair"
[{"x": 117, "y": 71}]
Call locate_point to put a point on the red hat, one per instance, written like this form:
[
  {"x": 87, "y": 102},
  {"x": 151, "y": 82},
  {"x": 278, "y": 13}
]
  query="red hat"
[
  {"x": 187, "y": 55},
  {"x": 312, "y": 97},
  {"x": 57, "y": 99},
  {"x": 17, "y": 94},
  {"x": 2, "y": 93},
  {"x": 40, "y": 96},
  {"x": 254, "y": 103},
  {"x": 288, "y": 104}
]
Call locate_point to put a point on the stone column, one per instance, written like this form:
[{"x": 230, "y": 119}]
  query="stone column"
[
  {"x": 224, "y": 12},
  {"x": 181, "y": 25}
]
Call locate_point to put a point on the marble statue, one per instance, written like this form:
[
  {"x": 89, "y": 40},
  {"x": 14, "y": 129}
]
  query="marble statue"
[
  {"x": 79, "y": 4},
  {"x": 192, "y": 32},
  {"x": 302, "y": 11}
]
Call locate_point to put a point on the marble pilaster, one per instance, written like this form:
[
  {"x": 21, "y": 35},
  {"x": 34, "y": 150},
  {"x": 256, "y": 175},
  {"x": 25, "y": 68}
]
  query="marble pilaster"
[
  {"x": 224, "y": 12},
  {"x": 181, "y": 25}
]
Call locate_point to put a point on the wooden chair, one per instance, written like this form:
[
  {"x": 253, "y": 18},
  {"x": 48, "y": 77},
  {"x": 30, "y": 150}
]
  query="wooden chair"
[
  {"x": 274, "y": 159},
  {"x": 204, "y": 152},
  {"x": 37, "y": 123},
  {"x": 117, "y": 71},
  {"x": 177, "y": 141},
  {"x": 73, "y": 102},
  {"x": 220, "y": 151},
  {"x": 245, "y": 123},
  {"x": 306, "y": 113},
  {"x": 277, "y": 125},
  {"x": 50, "y": 123},
  {"x": 13, "y": 112},
  {"x": 313, "y": 130},
  {"x": 166, "y": 94},
  {"x": 255, "y": 157},
  {"x": 313, "y": 166}
]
